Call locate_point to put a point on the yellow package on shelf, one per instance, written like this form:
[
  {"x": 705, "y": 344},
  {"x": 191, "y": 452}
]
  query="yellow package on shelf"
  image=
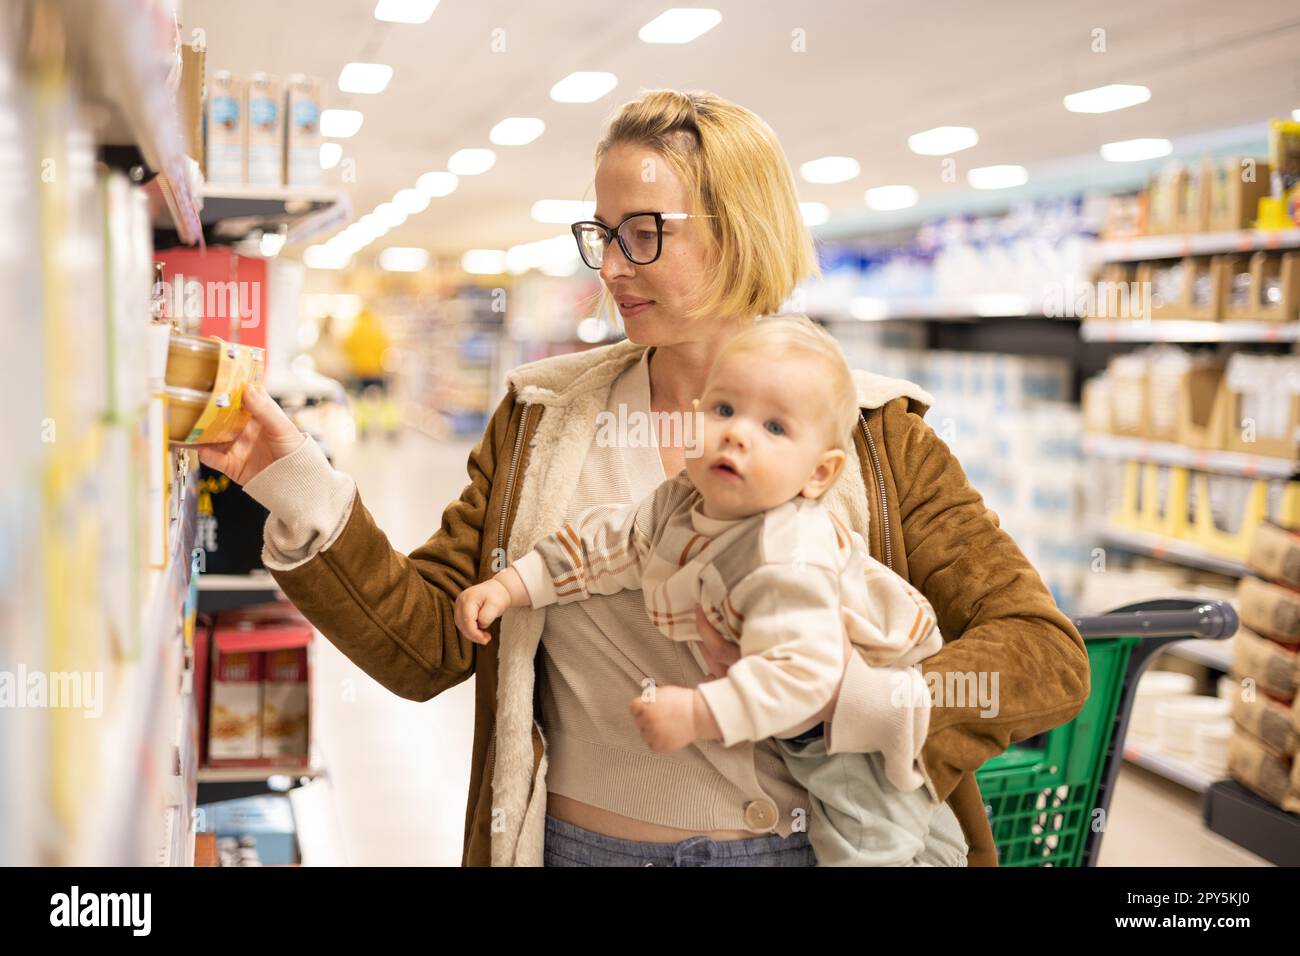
[{"x": 221, "y": 418}]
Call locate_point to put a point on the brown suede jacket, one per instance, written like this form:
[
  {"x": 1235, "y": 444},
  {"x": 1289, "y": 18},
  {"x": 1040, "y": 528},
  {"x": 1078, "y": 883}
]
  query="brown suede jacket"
[{"x": 391, "y": 613}]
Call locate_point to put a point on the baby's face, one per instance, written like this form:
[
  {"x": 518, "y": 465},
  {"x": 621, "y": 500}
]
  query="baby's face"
[{"x": 766, "y": 435}]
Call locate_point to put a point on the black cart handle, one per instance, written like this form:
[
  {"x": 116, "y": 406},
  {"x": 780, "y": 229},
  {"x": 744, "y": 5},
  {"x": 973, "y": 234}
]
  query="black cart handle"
[{"x": 1208, "y": 619}]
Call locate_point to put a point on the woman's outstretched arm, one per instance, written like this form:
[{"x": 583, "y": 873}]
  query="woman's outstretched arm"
[{"x": 390, "y": 613}]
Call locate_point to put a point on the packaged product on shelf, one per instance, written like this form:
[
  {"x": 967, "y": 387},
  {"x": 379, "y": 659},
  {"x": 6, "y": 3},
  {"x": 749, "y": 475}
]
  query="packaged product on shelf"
[
  {"x": 225, "y": 126},
  {"x": 1166, "y": 198},
  {"x": 1168, "y": 367},
  {"x": 265, "y": 130},
  {"x": 1275, "y": 554},
  {"x": 1236, "y": 187},
  {"x": 267, "y": 820},
  {"x": 284, "y": 703},
  {"x": 1253, "y": 766},
  {"x": 1128, "y": 393},
  {"x": 1263, "y": 404},
  {"x": 1202, "y": 411},
  {"x": 1207, "y": 285},
  {"x": 1096, "y": 404},
  {"x": 302, "y": 131},
  {"x": 1268, "y": 721},
  {"x": 1269, "y": 609},
  {"x": 1284, "y": 154},
  {"x": 1274, "y": 286},
  {"x": 1271, "y": 665},
  {"x": 234, "y": 726},
  {"x": 1167, "y": 280}
]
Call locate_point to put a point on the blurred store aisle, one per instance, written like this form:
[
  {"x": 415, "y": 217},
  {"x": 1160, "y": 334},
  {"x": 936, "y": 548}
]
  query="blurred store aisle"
[{"x": 401, "y": 769}]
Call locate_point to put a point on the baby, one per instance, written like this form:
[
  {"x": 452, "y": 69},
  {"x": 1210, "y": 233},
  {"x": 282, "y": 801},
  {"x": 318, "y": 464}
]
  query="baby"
[{"x": 741, "y": 533}]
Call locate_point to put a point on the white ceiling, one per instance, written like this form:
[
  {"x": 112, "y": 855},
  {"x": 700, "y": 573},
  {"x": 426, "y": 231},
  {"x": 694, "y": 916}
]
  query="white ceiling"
[{"x": 874, "y": 71}]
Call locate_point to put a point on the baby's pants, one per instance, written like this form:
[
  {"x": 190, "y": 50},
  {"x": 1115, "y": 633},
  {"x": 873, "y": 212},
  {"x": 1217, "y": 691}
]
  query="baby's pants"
[{"x": 858, "y": 818}]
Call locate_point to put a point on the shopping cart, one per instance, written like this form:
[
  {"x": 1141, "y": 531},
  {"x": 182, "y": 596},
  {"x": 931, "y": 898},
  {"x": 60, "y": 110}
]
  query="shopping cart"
[{"x": 1047, "y": 798}]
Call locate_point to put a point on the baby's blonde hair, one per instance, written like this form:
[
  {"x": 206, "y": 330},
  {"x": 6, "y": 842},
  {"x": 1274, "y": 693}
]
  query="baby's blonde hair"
[
  {"x": 785, "y": 336},
  {"x": 735, "y": 171}
]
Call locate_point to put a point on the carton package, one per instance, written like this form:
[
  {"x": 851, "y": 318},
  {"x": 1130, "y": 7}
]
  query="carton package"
[
  {"x": 1166, "y": 200},
  {"x": 1096, "y": 404},
  {"x": 1128, "y": 393},
  {"x": 302, "y": 131},
  {"x": 1236, "y": 187},
  {"x": 1268, "y": 721},
  {"x": 1202, "y": 421},
  {"x": 265, "y": 126},
  {"x": 1206, "y": 279},
  {"x": 1275, "y": 554},
  {"x": 226, "y": 120},
  {"x": 1269, "y": 609},
  {"x": 189, "y": 100},
  {"x": 1238, "y": 297},
  {"x": 1271, "y": 665},
  {"x": 284, "y": 703},
  {"x": 234, "y": 727},
  {"x": 1167, "y": 369},
  {"x": 1263, "y": 404},
  {"x": 1275, "y": 286},
  {"x": 1167, "y": 280},
  {"x": 1252, "y": 765}
]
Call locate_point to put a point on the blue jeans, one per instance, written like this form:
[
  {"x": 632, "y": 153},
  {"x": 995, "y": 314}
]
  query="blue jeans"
[{"x": 569, "y": 845}]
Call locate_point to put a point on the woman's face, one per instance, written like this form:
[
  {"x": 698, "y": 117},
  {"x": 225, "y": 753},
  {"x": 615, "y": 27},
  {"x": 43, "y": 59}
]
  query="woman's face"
[{"x": 634, "y": 179}]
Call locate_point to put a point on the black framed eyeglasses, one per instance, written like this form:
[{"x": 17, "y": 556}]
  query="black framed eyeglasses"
[{"x": 640, "y": 236}]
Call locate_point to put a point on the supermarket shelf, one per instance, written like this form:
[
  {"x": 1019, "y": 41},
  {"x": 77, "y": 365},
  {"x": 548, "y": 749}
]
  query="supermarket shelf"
[
  {"x": 1178, "y": 330},
  {"x": 255, "y": 581},
  {"x": 1146, "y": 755},
  {"x": 1169, "y": 247},
  {"x": 244, "y": 774},
  {"x": 116, "y": 38},
  {"x": 961, "y": 309},
  {"x": 1168, "y": 549},
  {"x": 1210, "y": 653},
  {"x": 1125, "y": 448},
  {"x": 233, "y": 212}
]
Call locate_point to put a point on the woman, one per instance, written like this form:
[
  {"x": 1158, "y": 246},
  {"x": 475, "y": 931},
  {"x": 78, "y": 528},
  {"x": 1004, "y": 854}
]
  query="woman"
[{"x": 560, "y": 775}]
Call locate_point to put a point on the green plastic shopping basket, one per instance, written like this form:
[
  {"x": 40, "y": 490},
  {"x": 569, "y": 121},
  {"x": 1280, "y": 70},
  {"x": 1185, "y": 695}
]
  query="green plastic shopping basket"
[{"x": 1047, "y": 797}]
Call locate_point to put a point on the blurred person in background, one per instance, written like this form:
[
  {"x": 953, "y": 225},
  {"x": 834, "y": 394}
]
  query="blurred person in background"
[{"x": 365, "y": 347}]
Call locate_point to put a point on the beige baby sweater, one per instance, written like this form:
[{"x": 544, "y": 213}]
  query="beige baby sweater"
[{"x": 781, "y": 584}]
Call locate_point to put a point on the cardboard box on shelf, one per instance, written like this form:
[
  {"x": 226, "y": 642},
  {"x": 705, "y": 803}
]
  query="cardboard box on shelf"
[
  {"x": 1206, "y": 279},
  {"x": 1166, "y": 200},
  {"x": 1252, "y": 765},
  {"x": 1167, "y": 280},
  {"x": 1275, "y": 554},
  {"x": 265, "y": 126},
  {"x": 189, "y": 99},
  {"x": 1096, "y": 405},
  {"x": 1236, "y": 186},
  {"x": 1263, "y": 405},
  {"x": 1128, "y": 394},
  {"x": 285, "y": 703},
  {"x": 1269, "y": 609},
  {"x": 1271, "y": 665},
  {"x": 1269, "y": 721},
  {"x": 227, "y": 115},
  {"x": 234, "y": 728},
  {"x": 1201, "y": 408},
  {"x": 1275, "y": 286},
  {"x": 1167, "y": 368}
]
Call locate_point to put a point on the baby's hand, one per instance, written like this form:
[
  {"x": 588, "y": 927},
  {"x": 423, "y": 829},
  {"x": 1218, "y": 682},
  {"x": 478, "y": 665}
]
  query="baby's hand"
[
  {"x": 667, "y": 722},
  {"x": 480, "y": 605}
]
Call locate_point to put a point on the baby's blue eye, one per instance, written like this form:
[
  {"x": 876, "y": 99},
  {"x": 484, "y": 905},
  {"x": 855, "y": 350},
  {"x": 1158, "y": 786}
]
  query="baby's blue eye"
[
  {"x": 775, "y": 428},
  {"x": 723, "y": 409}
]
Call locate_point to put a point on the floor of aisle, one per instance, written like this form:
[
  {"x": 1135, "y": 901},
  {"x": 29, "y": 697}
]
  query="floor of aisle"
[{"x": 400, "y": 769}]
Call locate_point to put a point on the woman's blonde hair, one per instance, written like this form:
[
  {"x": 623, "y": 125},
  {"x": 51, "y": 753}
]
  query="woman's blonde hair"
[
  {"x": 788, "y": 336},
  {"x": 736, "y": 172}
]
